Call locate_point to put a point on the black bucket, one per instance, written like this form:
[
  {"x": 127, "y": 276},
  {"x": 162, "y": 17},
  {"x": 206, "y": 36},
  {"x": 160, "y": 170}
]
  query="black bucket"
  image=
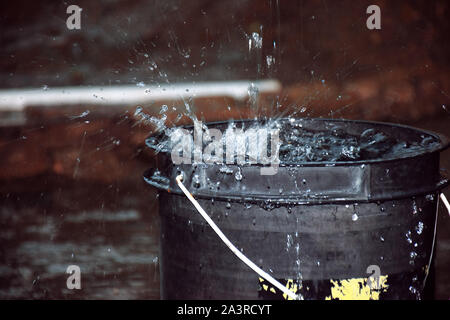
[{"x": 323, "y": 228}]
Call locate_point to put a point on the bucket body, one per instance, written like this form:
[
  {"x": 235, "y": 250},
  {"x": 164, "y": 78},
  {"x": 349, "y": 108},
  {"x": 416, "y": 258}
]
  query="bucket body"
[{"x": 344, "y": 230}]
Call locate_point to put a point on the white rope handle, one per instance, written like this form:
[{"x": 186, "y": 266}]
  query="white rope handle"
[
  {"x": 235, "y": 250},
  {"x": 445, "y": 201},
  {"x": 446, "y": 204}
]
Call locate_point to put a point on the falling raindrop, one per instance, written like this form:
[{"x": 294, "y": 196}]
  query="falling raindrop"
[
  {"x": 289, "y": 241},
  {"x": 270, "y": 61}
]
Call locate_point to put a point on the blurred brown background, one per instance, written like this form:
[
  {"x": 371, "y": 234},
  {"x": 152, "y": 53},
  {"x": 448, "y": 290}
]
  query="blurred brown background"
[{"x": 71, "y": 189}]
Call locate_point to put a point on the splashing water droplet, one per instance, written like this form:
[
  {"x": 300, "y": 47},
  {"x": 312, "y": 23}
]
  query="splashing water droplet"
[
  {"x": 196, "y": 181},
  {"x": 414, "y": 208},
  {"x": 419, "y": 227},
  {"x": 270, "y": 60},
  {"x": 238, "y": 175},
  {"x": 164, "y": 108},
  {"x": 408, "y": 236},
  {"x": 138, "y": 110},
  {"x": 255, "y": 41}
]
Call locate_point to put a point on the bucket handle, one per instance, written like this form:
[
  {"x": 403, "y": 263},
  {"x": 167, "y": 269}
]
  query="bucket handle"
[
  {"x": 445, "y": 202},
  {"x": 447, "y": 206},
  {"x": 228, "y": 243}
]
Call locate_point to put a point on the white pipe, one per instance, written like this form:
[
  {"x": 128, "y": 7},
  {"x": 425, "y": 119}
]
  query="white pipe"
[{"x": 18, "y": 99}]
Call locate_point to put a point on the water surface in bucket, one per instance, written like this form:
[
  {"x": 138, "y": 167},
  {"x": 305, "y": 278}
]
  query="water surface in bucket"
[{"x": 300, "y": 142}]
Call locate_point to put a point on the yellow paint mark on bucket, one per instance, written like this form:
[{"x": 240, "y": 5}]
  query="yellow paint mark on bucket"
[
  {"x": 356, "y": 289},
  {"x": 291, "y": 285}
]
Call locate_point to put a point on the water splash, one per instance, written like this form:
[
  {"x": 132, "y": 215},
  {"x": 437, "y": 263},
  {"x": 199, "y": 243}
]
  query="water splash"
[{"x": 255, "y": 41}]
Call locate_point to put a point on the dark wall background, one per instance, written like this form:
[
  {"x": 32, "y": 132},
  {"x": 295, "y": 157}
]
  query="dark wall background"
[
  {"x": 398, "y": 72},
  {"x": 329, "y": 37}
]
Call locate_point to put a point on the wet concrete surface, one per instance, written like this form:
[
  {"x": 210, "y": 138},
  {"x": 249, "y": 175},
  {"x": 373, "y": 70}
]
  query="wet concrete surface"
[{"x": 111, "y": 231}]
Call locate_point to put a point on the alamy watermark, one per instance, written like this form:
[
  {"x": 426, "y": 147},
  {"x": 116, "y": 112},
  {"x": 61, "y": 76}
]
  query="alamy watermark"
[
  {"x": 373, "y": 281},
  {"x": 374, "y": 20},
  {"x": 244, "y": 147},
  {"x": 73, "y": 22},
  {"x": 74, "y": 280}
]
